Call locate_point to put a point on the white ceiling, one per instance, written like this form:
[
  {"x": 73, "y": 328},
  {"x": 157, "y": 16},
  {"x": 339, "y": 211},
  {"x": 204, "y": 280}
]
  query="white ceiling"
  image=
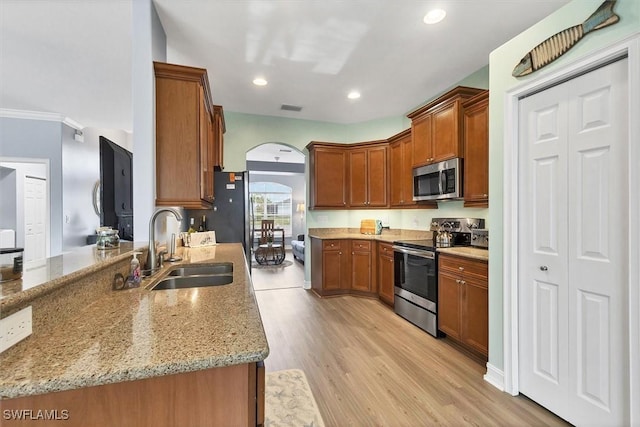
[{"x": 74, "y": 57}]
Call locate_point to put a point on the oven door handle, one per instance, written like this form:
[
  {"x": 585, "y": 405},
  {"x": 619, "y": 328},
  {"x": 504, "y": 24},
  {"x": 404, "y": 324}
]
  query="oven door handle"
[{"x": 421, "y": 254}]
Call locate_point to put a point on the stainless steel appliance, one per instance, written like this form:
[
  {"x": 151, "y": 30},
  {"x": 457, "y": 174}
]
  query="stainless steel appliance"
[
  {"x": 416, "y": 283},
  {"x": 438, "y": 181},
  {"x": 480, "y": 238},
  {"x": 230, "y": 215},
  {"x": 416, "y": 271}
]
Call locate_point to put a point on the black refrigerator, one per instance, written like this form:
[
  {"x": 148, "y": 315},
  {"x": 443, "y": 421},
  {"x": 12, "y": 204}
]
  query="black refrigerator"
[{"x": 230, "y": 214}]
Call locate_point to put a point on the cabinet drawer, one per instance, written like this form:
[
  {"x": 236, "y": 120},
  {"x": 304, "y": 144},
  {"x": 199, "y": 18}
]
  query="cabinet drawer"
[
  {"x": 385, "y": 249},
  {"x": 361, "y": 245},
  {"x": 464, "y": 266},
  {"x": 328, "y": 245}
]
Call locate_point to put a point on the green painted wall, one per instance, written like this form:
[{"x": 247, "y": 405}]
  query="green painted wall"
[
  {"x": 246, "y": 131},
  {"x": 501, "y": 63}
]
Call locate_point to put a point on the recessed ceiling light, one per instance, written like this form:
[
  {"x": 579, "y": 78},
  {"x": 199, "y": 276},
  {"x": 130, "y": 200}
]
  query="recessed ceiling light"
[
  {"x": 434, "y": 16},
  {"x": 259, "y": 81},
  {"x": 353, "y": 94}
]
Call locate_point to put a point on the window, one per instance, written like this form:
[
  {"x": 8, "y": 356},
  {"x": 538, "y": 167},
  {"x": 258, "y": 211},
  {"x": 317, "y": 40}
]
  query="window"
[{"x": 271, "y": 200}]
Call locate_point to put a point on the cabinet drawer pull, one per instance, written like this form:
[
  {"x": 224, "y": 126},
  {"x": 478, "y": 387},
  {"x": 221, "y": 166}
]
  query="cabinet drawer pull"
[
  {"x": 462, "y": 282},
  {"x": 458, "y": 281},
  {"x": 461, "y": 268}
]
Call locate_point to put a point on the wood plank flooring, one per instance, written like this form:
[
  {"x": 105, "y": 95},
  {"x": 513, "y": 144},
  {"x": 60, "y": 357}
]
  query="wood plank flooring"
[{"x": 369, "y": 367}]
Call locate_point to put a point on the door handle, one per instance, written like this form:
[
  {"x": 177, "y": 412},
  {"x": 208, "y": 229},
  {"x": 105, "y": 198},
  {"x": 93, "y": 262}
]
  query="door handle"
[{"x": 544, "y": 268}]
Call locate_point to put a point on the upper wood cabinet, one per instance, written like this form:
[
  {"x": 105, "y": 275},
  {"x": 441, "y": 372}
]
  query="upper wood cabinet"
[
  {"x": 184, "y": 149},
  {"x": 348, "y": 175},
  {"x": 328, "y": 167},
  {"x": 368, "y": 176},
  {"x": 476, "y": 151},
  {"x": 401, "y": 170},
  {"x": 436, "y": 128},
  {"x": 217, "y": 133}
]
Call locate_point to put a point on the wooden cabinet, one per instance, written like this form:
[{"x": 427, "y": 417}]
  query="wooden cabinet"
[
  {"x": 436, "y": 128},
  {"x": 343, "y": 266},
  {"x": 330, "y": 266},
  {"x": 231, "y": 395},
  {"x": 463, "y": 313},
  {"x": 184, "y": 151},
  {"x": 328, "y": 167},
  {"x": 217, "y": 134},
  {"x": 385, "y": 272},
  {"x": 348, "y": 175},
  {"x": 368, "y": 176},
  {"x": 401, "y": 170},
  {"x": 476, "y": 151},
  {"x": 363, "y": 266}
]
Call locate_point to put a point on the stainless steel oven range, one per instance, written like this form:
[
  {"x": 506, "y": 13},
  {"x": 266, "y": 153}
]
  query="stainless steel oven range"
[
  {"x": 416, "y": 283},
  {"x": 416, "y": 270}
]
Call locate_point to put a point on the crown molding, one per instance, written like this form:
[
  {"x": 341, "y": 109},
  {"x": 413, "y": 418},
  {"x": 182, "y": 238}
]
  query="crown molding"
[{"x": 40, "y": 115}]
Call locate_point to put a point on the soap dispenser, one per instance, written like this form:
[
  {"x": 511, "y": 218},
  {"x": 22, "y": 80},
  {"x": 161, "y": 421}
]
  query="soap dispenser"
[{"x": 134, "y": 279}]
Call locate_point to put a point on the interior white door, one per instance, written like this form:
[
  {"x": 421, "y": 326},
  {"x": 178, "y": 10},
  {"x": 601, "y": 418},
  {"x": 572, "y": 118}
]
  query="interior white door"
[
  {"x": 35, "y": 209},
  {"x": 573, "y": 245}
]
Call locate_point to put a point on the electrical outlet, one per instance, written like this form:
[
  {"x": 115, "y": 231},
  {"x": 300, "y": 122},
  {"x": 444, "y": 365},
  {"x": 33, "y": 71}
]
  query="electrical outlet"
[{"x": 15, "y": 328}]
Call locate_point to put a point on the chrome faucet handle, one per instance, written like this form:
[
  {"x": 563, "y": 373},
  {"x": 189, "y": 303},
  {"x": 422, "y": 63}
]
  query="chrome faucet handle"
[{"x": 161, "y": 255}]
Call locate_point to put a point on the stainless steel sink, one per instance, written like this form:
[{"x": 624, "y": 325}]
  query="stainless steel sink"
[
  {"x": 172, "y": 282},
  {"x": 195, "y": 276},
  {"x": 198, "y": 270}
]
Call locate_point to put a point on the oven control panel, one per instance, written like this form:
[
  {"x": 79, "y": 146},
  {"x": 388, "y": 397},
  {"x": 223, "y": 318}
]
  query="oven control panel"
[{"x": 480, "y": 238}]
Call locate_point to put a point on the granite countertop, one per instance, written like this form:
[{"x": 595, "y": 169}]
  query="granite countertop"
[
  {"x": 467, "y": 251},
  {"x": 138, "y": 333},
  {"x": 388, "y": 236},
  {"x": 42, "y": 276}
]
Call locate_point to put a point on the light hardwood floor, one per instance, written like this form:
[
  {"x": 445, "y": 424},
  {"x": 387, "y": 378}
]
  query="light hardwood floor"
[{"x": 369, "y": 367}]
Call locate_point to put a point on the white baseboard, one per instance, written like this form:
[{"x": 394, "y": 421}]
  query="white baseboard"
[
  {"x": 307, "y": 284},
  {"x": 495, "y": 377}
]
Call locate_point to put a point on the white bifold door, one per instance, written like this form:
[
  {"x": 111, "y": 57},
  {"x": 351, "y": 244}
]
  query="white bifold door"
[{"x": 573, "y": 247}]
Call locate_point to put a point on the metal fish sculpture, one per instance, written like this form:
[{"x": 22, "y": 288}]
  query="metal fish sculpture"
[{"x": 558, "y": 44}]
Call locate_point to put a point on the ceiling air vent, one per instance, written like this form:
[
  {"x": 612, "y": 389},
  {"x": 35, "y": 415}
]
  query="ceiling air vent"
[{"x": 287, "y": 107}]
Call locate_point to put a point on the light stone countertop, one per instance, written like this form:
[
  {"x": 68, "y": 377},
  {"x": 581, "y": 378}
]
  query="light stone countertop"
[
  {"x": 393, "y": 235},
  {"x": 138, "y": 333},
  {"x": 467, "y": 251}
]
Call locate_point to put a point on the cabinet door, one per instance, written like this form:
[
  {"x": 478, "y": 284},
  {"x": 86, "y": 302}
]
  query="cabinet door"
[
  {"x": 361, "y": 279},
  {"x": 178, "y": 168},
  {"x": 476, "y": 154},
  {"x": 358, "y": 178},
  {"x": 218, "y": 137},
  {"x": 449, "y": 305},
  {"x": 377, "y": 178},
  {"x": 475, "y": 315},
  {"x": 206, "y": 150},
  {"x": 421, "y": 133},
  {"x": 446, "y": 132},
  {"x": 332, "y": 264},
  {"x": 385, "y": 272},
  {"x": 396, "y": 173},
  {"x": 329, "y": 177},
  {"x": 407, "y": 172}
]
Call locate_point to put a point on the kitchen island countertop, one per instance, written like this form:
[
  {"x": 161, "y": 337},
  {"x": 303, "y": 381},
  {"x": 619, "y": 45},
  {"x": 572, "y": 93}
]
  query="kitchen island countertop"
[{"x": 138, "y": 333}]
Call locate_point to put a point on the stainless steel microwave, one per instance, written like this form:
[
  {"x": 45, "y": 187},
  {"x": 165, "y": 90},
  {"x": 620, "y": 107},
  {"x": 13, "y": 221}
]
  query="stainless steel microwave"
[{"x": 438, "y": 181}]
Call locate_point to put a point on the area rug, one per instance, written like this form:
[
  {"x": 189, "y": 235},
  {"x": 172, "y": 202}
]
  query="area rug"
[
  {"x": 285, "y": 263},
  {"x": 289, "y": 401}
]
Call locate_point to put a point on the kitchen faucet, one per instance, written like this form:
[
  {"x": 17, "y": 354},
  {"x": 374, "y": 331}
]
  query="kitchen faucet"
[{"x": 152, "y": 258}]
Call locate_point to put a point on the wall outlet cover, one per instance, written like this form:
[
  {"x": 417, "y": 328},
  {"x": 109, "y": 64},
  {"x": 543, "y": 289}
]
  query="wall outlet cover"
[{"x": 15, "y": 328}]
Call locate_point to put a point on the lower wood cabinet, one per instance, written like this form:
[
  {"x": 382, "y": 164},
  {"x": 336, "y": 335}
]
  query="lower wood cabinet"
[
  {"x": 385, "y": 272},
  {"x": 362, "y": 266},
  {"x": 463, "y": 301},
  {"x": 344, "y": 266},
  {"x": 231, "y": 395}
]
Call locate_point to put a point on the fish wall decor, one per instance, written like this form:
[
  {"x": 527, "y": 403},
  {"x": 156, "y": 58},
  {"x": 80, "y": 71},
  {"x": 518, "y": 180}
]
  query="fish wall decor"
[{"x": 558, "y": 44}]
